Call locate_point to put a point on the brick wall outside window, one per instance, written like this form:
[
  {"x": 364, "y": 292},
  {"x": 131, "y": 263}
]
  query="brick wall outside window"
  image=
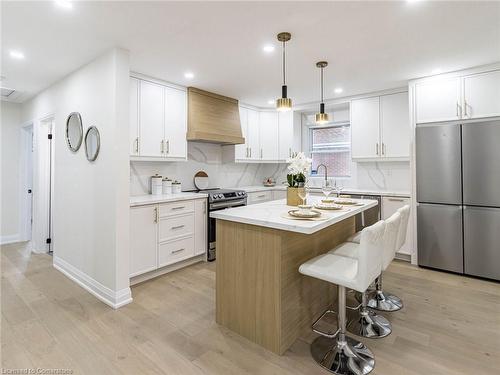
[{"x": 330, "y": 145}]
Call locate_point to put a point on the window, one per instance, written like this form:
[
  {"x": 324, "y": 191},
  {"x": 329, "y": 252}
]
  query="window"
[{"x": 331, "y": 146}]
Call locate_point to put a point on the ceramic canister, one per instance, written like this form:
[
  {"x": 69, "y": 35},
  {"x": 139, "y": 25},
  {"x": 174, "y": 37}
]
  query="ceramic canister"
[
  {"x": 176, "y": 187},
  {"x": 156, "y": 185},
  {"x": 167, "y": 186}
]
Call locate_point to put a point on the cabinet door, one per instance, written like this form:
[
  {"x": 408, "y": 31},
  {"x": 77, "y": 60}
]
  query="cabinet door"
[
  {"x": 151, "y": 119},
  {"x": 134, "y": 116},
  {"x": 253, "y": 141},
  {"x": 240, "y": 151},
  {"x": 391, "y": 205},
  {"x": 279, "y": 194},
  {"x": 200, "y": 226},
  {"x": 269, "y": 136},
  {"x": 175, "y": 123},
  {"x": 285, "y": 135},
  {"x": 365, "y": 132},
  {"x": 438, "y": 100},
  {"x": 259, "y": 197},
  {"x": 143, "y": 239},
  {"x": 482, "y": 95},
  {"x": 395, "y": 126}
]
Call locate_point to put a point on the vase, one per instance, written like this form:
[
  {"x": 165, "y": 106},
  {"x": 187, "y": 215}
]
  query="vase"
[{"x": 292, "y": 196}]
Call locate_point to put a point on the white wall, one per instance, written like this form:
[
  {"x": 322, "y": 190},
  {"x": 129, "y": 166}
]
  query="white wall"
[
  {"x": 201, "y": 156},
  {"x": 91, "y": 200},
  {"x": 9, "y": 186}
]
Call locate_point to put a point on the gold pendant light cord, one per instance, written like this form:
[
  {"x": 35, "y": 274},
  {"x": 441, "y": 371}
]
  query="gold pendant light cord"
[
  {"x": 321, "y": 84},
  {"x": 284, "y": 63}
]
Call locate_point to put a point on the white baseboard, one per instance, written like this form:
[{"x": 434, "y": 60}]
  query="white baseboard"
[
  {"x": 112, "y": 298},
  {"x": 12, "y": 238}
]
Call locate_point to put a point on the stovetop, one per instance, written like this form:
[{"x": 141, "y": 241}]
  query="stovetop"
[{"x": 220, "y": 195}]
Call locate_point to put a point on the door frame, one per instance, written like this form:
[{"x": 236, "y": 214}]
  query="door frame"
[{"x": 26, "y": 166}]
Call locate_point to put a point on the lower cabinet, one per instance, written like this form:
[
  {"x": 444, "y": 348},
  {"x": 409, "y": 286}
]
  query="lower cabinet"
[
  {"x": 265, "y": 196},
  {"x": 166, "y": 233}
]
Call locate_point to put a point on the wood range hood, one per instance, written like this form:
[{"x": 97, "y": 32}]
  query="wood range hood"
[{"x": 213, "y": 118}]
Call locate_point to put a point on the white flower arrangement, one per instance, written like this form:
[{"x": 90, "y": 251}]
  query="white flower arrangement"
[{"x": 299, "y": 166}]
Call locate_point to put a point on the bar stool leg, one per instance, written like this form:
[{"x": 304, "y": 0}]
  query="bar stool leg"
[
  {"x": 346, "y": 356},
  {"x": 367, "y": 323},
  {"x": 379, "y": 300}
]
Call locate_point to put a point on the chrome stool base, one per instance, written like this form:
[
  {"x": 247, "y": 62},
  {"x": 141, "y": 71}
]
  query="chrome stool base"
[
  {"x": 348, "y": 357},
  {"x": 368, "y": 324},
  {"x": 381, "y": 301}
]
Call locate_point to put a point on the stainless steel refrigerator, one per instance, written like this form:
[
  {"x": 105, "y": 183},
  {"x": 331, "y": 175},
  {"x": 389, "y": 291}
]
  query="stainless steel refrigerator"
[{"x": 458, "y": 195}]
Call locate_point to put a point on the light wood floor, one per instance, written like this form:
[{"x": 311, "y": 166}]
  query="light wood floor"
[{"x": 449, "y": 325}]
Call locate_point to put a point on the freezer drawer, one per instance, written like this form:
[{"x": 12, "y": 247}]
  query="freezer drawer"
[
  {"x": 481, "y": 163},
  {"x": 440, "y": 237},
  {"x": 482, "y": 242},
  {"x": 438, "y": 164}
]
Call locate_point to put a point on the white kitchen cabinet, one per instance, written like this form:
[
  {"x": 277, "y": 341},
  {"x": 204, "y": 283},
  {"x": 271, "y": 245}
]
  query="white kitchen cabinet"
[
  {"x": 175, "y": 251},
  {"x": 200, "y": 227},
  {"x": 151, "y": 120},
  {"x": 253, "y": 133},
  {"x": 143, "y": 239},
  {"x": 259, "y": 197},
  {"x": 285, "y": 135},
  {"x": 438, "y": 100},
  {"x": 395, "y": 126},
  {"x": 268, "y": 133},
  {"x": 365, "y": 128},
  {"x": 481, "y": 95},
  {"x": 175, "y": 123},
  {"x": 391, "y": 205},
  {"x": 279, "y": 194},
  {"x": 241, "y": 151},
  {"x": 134, "y": 116}
]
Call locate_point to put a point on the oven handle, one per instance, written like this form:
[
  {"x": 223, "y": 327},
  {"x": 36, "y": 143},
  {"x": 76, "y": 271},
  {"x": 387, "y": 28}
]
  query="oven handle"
[{"x": 235, "y": 203}]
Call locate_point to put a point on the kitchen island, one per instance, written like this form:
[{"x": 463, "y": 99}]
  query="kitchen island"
[{"x": 260, "y": 293}]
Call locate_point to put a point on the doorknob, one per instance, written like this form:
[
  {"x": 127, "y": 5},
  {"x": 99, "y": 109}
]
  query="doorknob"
[{"x": 29, "y": 191}]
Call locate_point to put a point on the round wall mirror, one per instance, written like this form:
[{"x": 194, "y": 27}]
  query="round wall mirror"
[
  {"x": 74, "y": 131},
  {"x": 92, "y": 143}
]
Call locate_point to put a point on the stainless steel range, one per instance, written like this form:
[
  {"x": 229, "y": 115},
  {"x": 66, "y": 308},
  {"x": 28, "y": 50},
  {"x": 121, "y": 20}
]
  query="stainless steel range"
[{"x": 220, "y": 199}]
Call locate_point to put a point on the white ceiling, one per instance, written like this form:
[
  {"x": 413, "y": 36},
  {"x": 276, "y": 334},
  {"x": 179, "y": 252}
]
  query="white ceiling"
[{"x": 369, "y": 45}]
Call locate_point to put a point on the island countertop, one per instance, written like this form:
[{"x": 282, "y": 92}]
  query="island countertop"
[{"x": 270, "y": 215}]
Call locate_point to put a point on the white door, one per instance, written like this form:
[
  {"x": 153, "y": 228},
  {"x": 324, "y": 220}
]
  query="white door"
[
  {"x": 365, "y": 132},
  {"x": 200, "y": 226},
  {"x": 482, "y": 95},
  {"x": 175, "y": 123},
  {"x": 134, "y": 116},
  {"x": 391, "y": 205},
  {"x": 240, "y": 151},
  {"x": 143, "y": 239},
  {"x": 269, "y": 136},
  {"x": 285, "y": 135},
  {"x": 151, "y": 122},
  {"x": 395, "y": 126},
  {"x": 438, "y": 100},
  {"x": 253, "y": 141}
]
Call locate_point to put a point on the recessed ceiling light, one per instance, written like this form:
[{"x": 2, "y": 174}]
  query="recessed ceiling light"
[
  {"x": 189, "y": 75},
  {"x": 437, "y": 71},
  {"x": 16, "y": 55},
  {"x": 64, "y": 4},
  {"x": 338, "y": 90},
  {"x": 268, "y": 48},
  {"x": 270, "y": 101}
]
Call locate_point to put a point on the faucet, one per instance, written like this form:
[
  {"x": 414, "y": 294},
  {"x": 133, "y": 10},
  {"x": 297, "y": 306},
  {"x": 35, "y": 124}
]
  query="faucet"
[{"x": 326, "y": 170}]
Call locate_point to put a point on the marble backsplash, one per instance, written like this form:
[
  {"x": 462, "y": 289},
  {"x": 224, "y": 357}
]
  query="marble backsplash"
[{"x": 387, "y": 176}]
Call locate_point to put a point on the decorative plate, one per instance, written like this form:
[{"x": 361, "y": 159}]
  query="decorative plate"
[
  {"x": 345, "y": 201},
  {"x": 311, "y": 214},
  {"x": 329, "y": 206}
]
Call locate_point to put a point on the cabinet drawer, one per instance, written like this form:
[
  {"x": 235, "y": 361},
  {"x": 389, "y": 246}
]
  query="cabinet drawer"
[
  {"x": 260, "y": 196},
  {"x": 176, "y": 226},
  {"x": 176, "y": 208},
  {"x": 175, "y": 251}
]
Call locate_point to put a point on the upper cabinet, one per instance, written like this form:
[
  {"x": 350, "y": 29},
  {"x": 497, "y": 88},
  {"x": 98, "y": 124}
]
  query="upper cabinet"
[
  {"x": 458, "y": 98},
  {"x": 158, "y": 120},
  {"x": 380, "y": 127},
  {"x": 287, "y": 143},
  {"x": 268, "y": 136}
]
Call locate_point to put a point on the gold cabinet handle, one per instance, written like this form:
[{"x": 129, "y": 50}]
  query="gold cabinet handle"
[
  {"x": 377, "y": 148},
  {"x": 137, "y": 145},
  {"x": 465, "y": 108},
  {"x": 156, "y": 214},
  {"x": 162, "y": 144},
  {"x": 168, "y": 146},
  {"x": 261, "y": 153},
  {"x": 178, "y": 227},
  {"x": 383, "y": 148}
]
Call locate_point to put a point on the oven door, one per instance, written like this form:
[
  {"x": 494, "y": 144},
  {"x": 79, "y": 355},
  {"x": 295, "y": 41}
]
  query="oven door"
[{"x": 216, "y": 206}]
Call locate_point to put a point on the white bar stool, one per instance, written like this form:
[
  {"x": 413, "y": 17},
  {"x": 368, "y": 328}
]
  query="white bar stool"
[
  {"x": 366, "y": 322},
  {"x": 345, "y": 355},
  {"x": 378, "y": 299}
]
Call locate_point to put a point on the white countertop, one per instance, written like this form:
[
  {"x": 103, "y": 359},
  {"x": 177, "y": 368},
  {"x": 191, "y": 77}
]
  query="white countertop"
[
  {"x": 269, "y": 214},
  {"x": 385, "y": 193},
  {"x": 141, "y": 200}
]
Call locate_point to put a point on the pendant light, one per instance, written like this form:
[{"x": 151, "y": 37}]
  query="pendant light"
[
  {"x": 322, "y": 117},
  {"x": 284, "y": 103}
]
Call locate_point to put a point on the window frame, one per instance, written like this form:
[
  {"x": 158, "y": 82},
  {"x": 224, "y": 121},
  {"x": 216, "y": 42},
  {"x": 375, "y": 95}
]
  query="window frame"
[{"x": 343, "y": 144}]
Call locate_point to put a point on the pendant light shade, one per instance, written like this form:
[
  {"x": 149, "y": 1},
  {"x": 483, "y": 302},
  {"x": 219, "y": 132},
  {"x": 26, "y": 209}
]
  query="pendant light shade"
[
  {"x": 284, "y": 103},
  {"x": 322, "y": 117}
]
